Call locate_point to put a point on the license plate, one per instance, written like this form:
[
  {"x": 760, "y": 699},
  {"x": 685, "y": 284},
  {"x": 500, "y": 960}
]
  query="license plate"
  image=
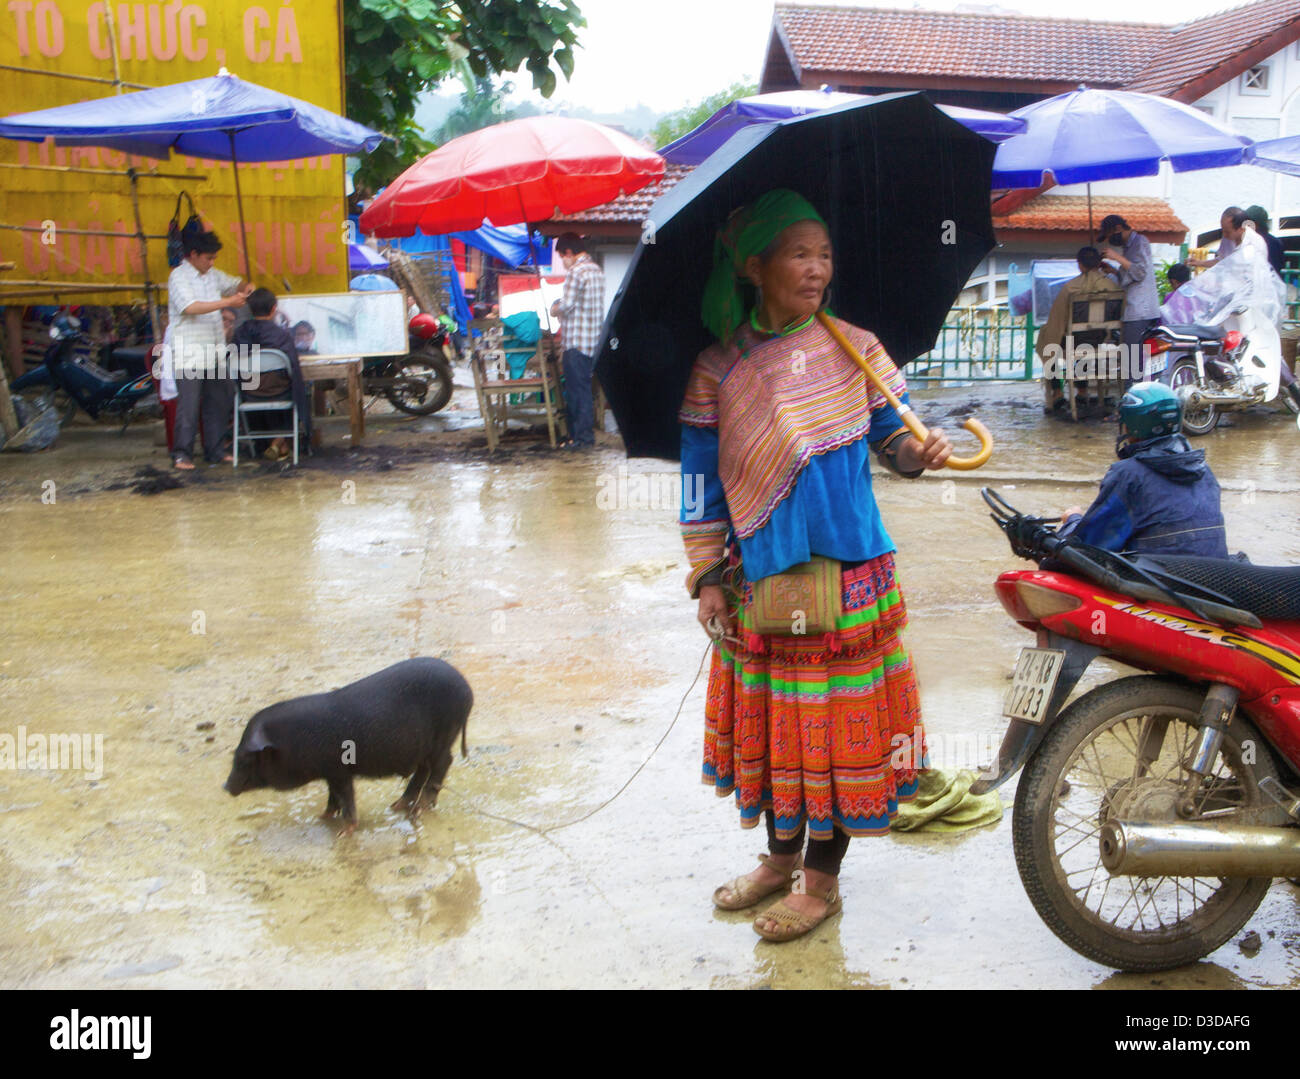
[
  {"x": 1156, "y": 364},
  {"x": 1031, "y": 687}
]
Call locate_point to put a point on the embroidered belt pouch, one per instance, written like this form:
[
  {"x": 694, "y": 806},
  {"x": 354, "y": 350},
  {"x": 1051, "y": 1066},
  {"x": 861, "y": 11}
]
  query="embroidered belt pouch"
[{"x": 805, "y": 599}]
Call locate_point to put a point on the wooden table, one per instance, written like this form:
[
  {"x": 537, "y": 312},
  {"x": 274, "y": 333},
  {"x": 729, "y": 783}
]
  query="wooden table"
[{"x": 317, "y": 369}]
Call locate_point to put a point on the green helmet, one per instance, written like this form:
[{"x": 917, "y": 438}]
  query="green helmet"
[{"x": 1147, "y": 410}]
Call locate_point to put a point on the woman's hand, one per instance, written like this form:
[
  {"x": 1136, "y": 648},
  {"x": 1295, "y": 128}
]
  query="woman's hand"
[
  {"x": 713, "y": 604},
  {"x": 931, "y": 454}
]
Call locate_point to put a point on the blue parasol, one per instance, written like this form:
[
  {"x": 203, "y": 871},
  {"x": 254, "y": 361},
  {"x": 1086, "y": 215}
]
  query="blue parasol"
[
  {"x": 1087, "y": 135},
  {"x": 221, "y": 118},
  {"x": 695, "y": 146}
]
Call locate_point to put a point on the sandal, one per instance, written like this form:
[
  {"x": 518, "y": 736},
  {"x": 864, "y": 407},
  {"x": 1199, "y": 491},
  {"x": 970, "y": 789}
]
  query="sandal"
[
  {"x": 745, "y": 893},
  {"x": 791, "y": 923},
  {"x": 183, "y": 463}
]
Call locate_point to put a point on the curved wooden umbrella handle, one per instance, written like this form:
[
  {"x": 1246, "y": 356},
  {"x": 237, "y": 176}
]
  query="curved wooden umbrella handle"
[{"x": 961, "y": 464}]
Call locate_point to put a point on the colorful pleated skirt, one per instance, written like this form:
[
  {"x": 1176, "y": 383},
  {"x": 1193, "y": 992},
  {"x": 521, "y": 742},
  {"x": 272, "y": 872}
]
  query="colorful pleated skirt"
[{"x": 825, "y": 731}]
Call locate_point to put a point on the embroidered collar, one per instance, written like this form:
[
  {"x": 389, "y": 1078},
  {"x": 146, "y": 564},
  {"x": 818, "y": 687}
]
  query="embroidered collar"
[{"x": 753, "y": 321}]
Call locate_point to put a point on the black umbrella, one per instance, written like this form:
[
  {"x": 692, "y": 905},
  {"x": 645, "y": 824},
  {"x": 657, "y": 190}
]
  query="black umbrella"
[{"x": 905, "y": 191}]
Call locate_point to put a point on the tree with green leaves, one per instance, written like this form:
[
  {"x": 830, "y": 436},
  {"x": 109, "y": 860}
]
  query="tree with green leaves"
[
  {"x": 395, "y": 50},
  {"x": 676, "y": 124}
]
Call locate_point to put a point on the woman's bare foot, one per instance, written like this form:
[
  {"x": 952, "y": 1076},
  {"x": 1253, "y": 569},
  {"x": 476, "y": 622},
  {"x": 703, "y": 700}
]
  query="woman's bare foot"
[
  {"x": 799, "y": 898},
  {"x": 768, "y": 875}
]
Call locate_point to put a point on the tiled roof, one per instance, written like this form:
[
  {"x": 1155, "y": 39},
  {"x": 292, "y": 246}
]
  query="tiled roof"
[
  {"x": 1197, "y": 48},
  {"x": 628, "y": 209},
  {"x": 966, "y": 44},
  {"x": 1069, "y": 213},
  {"x": 1017, "y": 48}
]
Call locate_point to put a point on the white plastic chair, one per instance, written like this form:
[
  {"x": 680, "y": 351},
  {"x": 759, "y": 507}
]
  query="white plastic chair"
[{"x": 265, "y": 360}]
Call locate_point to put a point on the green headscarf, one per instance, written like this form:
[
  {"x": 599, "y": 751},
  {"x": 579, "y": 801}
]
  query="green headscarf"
[{"x": 749, "y": 231}]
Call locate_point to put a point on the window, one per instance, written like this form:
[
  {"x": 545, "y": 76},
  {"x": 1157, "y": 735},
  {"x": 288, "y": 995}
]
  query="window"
[{"x": 1255, "y": 81}]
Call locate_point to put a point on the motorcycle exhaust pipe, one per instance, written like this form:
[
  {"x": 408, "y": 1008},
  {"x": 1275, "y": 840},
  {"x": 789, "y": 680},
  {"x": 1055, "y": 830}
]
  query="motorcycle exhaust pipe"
[
  {"x": 1201, "y": 849},
  {"x": 1208, "y": 397}
]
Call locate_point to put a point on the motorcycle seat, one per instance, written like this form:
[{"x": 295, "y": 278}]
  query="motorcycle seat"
[
  {"x": 1266, "y": 591},
  {"x": 1197, "y": 329}
]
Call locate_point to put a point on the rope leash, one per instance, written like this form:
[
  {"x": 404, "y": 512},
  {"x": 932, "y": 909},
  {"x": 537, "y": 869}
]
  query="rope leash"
[{"x": 543, "y": 832}]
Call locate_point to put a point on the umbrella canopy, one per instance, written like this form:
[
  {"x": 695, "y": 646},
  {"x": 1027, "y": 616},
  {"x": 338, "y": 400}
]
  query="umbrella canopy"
[
  {"x": 905, "y": 191},
  {"x": 1088, "y": 135},
  {"x": 372, "y": 282},
  {"x": 518, "y": 171},
  {"x": 220, "y": 118},
  {"x": 1280, "y": 155},
  {"x": 695, "y": 146},
  {"x": 362, "y": 258}
]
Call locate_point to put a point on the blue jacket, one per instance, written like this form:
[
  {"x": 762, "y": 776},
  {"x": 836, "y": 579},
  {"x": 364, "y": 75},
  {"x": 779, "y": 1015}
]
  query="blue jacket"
[{"x": 1160, "y": 499}]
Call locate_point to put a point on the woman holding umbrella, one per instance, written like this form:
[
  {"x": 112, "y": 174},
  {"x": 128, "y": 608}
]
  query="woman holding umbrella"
[{"x": 812, "y": 715}]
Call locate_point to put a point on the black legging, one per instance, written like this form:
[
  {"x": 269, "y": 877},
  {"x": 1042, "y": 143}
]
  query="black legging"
[{"x": 824, "y": 855}]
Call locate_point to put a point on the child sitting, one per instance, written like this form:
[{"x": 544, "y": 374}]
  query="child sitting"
[{"x": 264, "y": 331}]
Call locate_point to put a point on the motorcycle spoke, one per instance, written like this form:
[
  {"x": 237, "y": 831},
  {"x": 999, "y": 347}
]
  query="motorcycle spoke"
[
  {"x": 1091, "y": 835},
  {"x": 1123, "y": 906},
  {"x": 1087, "y": 888},
  {"x": 1151, "y": 899}
]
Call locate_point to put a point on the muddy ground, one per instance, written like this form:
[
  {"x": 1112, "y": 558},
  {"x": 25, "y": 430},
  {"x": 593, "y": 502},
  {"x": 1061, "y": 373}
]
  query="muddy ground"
[{"x": 161, "y": 611}]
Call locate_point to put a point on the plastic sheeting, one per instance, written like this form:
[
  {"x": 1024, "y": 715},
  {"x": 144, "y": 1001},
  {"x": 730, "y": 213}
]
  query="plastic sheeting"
[{"x": 1244, "y": 279}]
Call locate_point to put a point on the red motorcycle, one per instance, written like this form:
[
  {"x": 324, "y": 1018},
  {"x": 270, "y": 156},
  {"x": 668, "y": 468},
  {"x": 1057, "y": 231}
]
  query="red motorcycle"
[{"x": 1154, "y": 810}]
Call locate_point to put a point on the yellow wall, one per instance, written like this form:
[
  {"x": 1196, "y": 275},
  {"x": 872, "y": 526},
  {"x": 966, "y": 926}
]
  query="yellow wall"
[{"x": 294, "y": 210}]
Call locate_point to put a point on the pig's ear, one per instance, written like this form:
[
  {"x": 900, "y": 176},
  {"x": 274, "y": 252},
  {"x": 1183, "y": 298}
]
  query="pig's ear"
[{"x": 258, "y": 741}]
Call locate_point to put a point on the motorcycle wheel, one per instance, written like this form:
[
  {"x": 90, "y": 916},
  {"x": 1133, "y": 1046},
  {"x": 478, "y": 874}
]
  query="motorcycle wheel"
[
  {"x": 1088, "y": 769},
  {"x": 1199, "y": 421},
  {"x": 427, "y": 383}
]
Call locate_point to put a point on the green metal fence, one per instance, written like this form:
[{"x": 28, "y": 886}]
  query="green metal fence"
[{"x": 978, "y": 345}]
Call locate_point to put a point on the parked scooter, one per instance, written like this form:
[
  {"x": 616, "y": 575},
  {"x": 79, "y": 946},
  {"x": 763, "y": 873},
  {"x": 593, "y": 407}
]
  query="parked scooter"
[
  {"x": 83, "y": 382},
  {"x": 1213, "y": 369},
  {"x": 1230, "y": 357},
  {"x": 1154, "y": 810},
  {"x": 419, "y": 383}
]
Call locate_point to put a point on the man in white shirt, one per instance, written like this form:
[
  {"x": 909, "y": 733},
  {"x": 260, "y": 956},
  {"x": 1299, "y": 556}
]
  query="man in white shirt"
[{"x": 197, "y": 293}]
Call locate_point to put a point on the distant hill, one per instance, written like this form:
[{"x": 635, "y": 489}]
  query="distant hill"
[{"x": 434, "y": 109}]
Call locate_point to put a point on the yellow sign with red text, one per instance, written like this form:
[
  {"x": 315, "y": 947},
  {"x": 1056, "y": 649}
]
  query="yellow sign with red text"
[{"x": 294, "y": 210}]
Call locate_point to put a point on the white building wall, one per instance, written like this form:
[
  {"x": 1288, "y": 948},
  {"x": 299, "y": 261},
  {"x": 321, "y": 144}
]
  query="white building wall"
[{"x": 1200, "y": 197}]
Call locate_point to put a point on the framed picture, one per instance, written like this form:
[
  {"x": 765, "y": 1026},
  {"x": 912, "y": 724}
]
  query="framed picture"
[{"x": 346, "y": 323}]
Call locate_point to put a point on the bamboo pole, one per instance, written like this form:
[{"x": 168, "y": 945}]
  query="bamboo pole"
[
  {"x": 155, "y": 323},
  {"x": 66, "y": 286},
  {"x": 88, "y": 232},
  {"x": 151, "y": 174},
  {"x": 79, "y": 78}
]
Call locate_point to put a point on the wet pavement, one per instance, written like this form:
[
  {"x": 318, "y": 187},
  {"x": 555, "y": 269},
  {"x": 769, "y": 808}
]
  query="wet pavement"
[{"x": 553, "y": 582}]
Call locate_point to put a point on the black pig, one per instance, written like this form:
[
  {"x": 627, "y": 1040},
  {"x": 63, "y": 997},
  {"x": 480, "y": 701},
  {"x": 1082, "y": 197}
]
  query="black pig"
[{"x": 401, "y": 721}]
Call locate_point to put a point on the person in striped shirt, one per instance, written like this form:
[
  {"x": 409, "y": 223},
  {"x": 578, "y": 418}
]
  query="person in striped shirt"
[{"x": 581, "y": 311}]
